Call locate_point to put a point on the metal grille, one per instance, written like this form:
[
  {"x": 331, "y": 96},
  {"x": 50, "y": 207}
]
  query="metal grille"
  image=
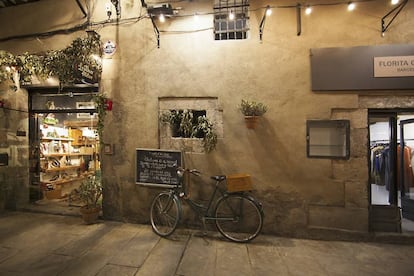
[{"x": 226, "y": 28}]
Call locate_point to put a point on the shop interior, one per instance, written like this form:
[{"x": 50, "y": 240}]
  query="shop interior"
[
  {"x": 392, "y": 169},
  {"x": 64, "y": 149}
]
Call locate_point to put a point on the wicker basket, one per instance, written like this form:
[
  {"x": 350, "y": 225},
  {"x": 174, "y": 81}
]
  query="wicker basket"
[{"x": 239, "y": 182}]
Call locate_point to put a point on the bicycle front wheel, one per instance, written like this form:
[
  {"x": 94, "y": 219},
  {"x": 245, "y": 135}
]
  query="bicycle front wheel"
[
  {"x": 165, "y": 214},
  {"x": 238, "y": 218}
]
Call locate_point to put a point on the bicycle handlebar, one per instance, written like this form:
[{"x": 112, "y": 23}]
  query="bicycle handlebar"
[{"x": 192, "y": 171}]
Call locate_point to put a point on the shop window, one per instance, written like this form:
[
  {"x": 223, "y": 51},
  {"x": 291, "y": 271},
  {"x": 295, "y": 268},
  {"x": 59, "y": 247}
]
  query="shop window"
[
  {"x": 327, "y": 138},
  {"x": 231, "y": 19}
]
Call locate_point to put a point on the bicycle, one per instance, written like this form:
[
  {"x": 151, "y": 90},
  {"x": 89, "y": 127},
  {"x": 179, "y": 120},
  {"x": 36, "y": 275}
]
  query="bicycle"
[{"x": 238, "y": 216}]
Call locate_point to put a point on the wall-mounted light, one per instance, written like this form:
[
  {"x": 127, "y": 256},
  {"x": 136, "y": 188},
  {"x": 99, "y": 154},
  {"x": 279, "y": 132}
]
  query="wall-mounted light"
[
  {"x": 117, "y": 5},
  {"x": 108, "y": 9},
  {"x": 196, "y": 17},
  {"x": 231, "y": 15},
  {"x": 351, "y": 6},
  {"x": 308, "y": 10},
  {"x": 394, "y": 13},
  {"x": 161, "y": 18},
  {"x": 268, "y": 11}
]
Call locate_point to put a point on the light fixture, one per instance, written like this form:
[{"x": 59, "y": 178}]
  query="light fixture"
[
  {"x": 196, "y": 17},
  {"x": 108, "y": 10},
  {"x": 268, "y": 11},
  {"x": 117, "y": 5},
  {"x": 351, "y": 6},
  {"x": 161, "y": 17},
  {"x": 231, "y": 15},
  {"x": 308, "y": 10},
  {"x": 393, "y": 13},
  {"x": 394, "y": 2}
]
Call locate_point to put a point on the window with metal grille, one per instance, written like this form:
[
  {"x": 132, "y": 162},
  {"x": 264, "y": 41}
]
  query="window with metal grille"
[{"x": 231, "y": 19}]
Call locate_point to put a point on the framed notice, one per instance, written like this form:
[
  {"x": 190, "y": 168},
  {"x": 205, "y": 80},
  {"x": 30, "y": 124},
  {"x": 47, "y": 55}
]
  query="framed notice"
[{"x": 158, "y": 168}]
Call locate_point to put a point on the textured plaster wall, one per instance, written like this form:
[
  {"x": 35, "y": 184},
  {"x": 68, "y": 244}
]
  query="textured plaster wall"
[
  {"x": 298, "y": 193},
  {"x": 14, "y": 178}
]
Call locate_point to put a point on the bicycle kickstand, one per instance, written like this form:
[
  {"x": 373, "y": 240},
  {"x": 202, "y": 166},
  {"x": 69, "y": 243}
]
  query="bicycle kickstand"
[{"x": 203, "y": 220}]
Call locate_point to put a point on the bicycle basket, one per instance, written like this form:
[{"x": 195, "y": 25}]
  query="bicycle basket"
[{"x": 238, "y": 182}]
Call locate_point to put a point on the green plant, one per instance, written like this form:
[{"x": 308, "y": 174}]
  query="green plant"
[
  {"x": 90, "y": 191},
  {"x": 100, "y": 105},
  {"x": 60, "y": 63},
  {"x": 186, "y": 123},
  {"x": 206, "y": 128},
  {"x": 183, "y": 124},
  {"x": 252, "y": 108}
]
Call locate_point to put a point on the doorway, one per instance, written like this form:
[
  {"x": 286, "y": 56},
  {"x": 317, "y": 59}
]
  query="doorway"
[
  {"x": 391, "y": 164},
  {"x": 64, "y": 147}
]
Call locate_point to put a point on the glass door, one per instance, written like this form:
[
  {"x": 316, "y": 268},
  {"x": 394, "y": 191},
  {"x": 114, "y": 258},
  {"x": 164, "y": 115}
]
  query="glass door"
[
  {"x": 382, "y": 131},
  {"x": 406, "y": 173},
  {"x": 384, "y": 213}
]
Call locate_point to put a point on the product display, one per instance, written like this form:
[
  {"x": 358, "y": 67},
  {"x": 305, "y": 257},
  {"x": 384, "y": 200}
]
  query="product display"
[{"x": 66, "y": 158}]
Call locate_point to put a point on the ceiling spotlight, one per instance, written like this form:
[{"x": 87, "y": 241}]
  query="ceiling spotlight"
[
  {"x": 394, "y": 2},
  {"x": 308, "y": 10},
  {"x": 351, "y": 6}
]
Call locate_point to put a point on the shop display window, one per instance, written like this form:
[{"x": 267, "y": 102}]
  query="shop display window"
[{"x": 327, "y": 138}]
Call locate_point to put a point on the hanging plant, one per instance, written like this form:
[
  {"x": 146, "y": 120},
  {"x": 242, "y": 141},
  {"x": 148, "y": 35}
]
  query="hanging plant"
[
  {"x": 100, "y": 105},
  {"x": 82, "y": 53},
  {"x": 206, "y": 128}
]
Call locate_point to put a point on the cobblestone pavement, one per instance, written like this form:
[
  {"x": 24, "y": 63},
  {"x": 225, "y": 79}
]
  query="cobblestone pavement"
[{"x": 43, "y": 244}]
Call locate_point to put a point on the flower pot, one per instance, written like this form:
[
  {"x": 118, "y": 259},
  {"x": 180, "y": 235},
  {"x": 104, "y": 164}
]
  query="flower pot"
[
  {"x": 90, "y": 214},
  {"x": 251, "y": 121}
]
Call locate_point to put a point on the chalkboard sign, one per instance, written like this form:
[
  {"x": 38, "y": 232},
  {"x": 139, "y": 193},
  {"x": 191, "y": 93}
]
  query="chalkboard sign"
[{"x": 156, "y": 167}]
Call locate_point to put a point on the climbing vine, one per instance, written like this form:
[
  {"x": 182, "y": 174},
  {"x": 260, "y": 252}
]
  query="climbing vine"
[{"x": 63, "y": 64}]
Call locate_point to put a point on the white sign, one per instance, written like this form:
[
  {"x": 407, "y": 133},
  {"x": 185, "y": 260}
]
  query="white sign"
[
  {"x": 109, "y": 48},
  {"x": 398, "y": 66}
]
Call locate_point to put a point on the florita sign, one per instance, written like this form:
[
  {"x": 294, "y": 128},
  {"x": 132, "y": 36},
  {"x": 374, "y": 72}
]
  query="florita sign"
[{"x": 398, "y": 66}]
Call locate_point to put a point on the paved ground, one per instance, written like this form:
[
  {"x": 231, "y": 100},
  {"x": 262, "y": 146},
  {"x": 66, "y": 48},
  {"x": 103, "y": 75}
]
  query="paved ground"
[{"x": 42, "y": 244}]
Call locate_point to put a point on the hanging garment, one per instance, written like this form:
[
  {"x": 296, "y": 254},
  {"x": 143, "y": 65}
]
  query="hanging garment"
[{"x": 408, "y": 172}]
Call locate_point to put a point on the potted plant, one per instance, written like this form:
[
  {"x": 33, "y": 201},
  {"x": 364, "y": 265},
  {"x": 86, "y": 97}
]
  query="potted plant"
[
  {"x": 252, "y": 111},
  {"x": 90, "y": 193}
]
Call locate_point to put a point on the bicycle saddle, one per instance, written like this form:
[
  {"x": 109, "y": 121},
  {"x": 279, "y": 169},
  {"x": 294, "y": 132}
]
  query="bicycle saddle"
[{"x": 218, "y": 177}]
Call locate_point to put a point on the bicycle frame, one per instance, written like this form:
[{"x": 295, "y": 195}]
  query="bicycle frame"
[{"x": 205, "y": 210}]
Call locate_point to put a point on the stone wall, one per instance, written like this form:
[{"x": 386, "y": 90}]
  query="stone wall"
[
  {"x": 298, "y": 193},
  {"x": 14, "y": 178}
]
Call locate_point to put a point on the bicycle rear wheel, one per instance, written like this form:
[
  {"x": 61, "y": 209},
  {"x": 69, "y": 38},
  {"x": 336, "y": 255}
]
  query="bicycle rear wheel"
[
  {"x": 238, "y": 218},
  {"x": 165, "y": 214}
]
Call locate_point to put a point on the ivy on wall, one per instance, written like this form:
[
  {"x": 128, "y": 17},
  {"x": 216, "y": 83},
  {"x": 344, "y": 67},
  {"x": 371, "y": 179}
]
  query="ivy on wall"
[{"x": 63, "y": 64}]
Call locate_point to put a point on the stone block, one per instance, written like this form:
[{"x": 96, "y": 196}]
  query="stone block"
[
  {"x": 357, "y": 117},
  {"x": 358, "y": 142},
  {"x": 352, "y": 219},
  {"x": 353, "y": 169},
  {"x": 356, "y": 194}
]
